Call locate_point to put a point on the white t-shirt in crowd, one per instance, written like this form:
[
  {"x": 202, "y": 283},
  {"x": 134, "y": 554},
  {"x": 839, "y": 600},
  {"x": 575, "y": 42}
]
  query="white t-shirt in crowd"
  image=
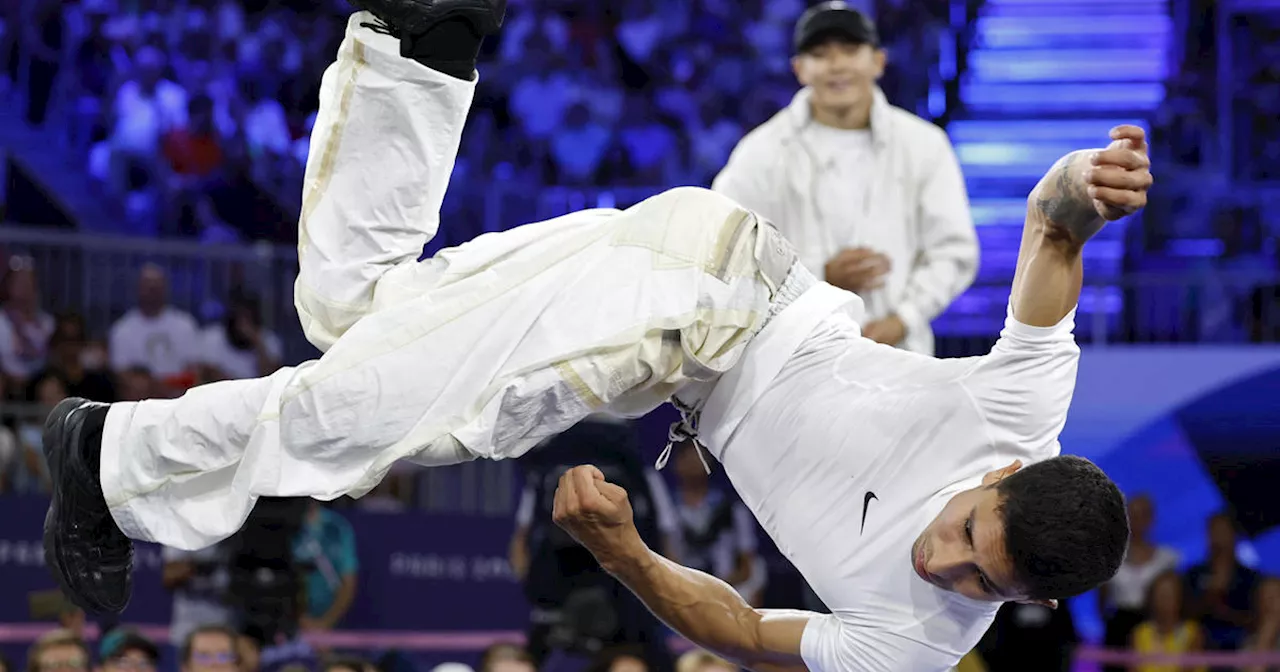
[
  {"x": 164, "y": 344},
  {"x": 816, "y": 417},
  {"x": 23, "y": 349},
  {"x": 216, "y": 351},
  {"x": 1128, "y": 588},
  {"x": 141, "y": 118}
]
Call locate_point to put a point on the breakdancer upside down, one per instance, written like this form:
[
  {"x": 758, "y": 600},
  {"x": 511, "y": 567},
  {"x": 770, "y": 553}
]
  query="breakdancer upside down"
[{"x": 893, "y": 481}]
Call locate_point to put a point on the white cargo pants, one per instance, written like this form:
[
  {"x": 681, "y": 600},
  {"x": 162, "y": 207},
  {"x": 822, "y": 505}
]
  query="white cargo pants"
[{"x": 481, "y": 351}]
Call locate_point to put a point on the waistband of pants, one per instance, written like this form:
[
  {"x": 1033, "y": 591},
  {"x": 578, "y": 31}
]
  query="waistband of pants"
[{"x": 799, "y": 280}]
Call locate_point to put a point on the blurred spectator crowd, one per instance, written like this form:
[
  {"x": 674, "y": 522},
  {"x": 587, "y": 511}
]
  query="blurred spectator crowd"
[
  {"x": 1158, "y": 603},
  {"x": 218, "y": 648},
  {"x": 195, "y": 114},
  {"x": 154, "y": 350},
  {"x": 1190, "y": 114}
]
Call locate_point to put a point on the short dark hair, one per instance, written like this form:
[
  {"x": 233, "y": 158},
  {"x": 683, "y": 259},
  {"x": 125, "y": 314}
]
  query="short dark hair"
[
  {"x": 1065, "y": 525},
  {"x": 210, "y": 630}
]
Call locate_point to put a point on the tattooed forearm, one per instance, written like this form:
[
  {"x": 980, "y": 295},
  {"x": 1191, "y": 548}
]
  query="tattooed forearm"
[{"x": 1063, "y": 199}]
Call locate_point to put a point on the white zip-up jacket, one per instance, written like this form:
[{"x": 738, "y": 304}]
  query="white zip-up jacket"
[{"x": 917, "y": 209}]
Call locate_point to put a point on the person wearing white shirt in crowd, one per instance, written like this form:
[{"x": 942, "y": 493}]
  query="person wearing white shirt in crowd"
[
  {"x": 24, "y": 328},
  {"x": 1122, "y": 601},
  {"x": 147, "y": 105},
  {"x": 154, "y": 335},
  {"x": 239, "y": 346},
  {"x": 870, "y": 194}
]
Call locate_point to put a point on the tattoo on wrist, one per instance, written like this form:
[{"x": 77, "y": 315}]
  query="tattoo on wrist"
[{"x": 1068, "y": 204}]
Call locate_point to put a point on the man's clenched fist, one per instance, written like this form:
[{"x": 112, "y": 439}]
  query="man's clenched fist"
[{"x": 596, "y": 513}]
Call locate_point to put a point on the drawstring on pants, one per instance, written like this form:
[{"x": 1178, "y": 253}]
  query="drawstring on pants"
[{"x": 686, "y": 429}]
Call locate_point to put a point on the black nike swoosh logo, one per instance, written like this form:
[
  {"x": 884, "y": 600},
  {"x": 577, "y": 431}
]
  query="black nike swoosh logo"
[{"x": 866, "y": 500}]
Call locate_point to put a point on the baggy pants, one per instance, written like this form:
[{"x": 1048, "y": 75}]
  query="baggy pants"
[{"x": 481, "y": 351}]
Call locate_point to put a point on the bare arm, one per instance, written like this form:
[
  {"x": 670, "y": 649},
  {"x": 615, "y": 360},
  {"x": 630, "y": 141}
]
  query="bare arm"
[
  {"x": 1082, "y": 192},
  {"x": 710, "y": 613},
  {"x": 702, "y": 608}
]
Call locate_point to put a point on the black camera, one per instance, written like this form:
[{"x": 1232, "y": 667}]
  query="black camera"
[{"x": 265, "y": 581}]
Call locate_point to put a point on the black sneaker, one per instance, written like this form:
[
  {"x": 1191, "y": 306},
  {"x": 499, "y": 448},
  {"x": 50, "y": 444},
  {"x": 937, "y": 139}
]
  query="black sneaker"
[
  {"x": 89, "y": 556},
  {"x": 407, "y": 19}
]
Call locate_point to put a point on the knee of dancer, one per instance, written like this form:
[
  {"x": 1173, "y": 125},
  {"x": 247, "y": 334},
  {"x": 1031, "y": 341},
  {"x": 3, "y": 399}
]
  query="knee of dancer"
[
  {"x": 696, "y": 201},
  {"x": 700, "y": 217}
]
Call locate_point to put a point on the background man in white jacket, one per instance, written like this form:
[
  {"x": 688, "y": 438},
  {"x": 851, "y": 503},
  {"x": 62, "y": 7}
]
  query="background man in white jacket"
[{"x": 870, "y": 194}]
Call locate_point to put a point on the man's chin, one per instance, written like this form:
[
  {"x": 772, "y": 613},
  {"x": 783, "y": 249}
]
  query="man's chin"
[{"x": 837, "y": 102}]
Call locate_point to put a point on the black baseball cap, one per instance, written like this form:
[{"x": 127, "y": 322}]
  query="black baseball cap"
[{"x": 834, "y": 19}]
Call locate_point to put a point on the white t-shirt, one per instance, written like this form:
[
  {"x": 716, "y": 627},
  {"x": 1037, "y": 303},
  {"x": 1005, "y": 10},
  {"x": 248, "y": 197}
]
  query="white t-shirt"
[
  {"x": 843, "y": 183},
  {"x": 163, "y": 344},
  {"x": 815, "y": 417},
  {"x": 1128, "y": 588},
  {"x": 23, "y": 349}
]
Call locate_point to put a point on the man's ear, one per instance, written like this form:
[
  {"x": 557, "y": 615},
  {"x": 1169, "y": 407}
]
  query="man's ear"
[
  {"x": 797, "y": 68},
  {"x": 998, "y": 475}
]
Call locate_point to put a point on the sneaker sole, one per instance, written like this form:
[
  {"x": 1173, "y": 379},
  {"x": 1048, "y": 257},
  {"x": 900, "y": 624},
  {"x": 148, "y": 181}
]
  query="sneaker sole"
[{"x": 57, "y": 433}]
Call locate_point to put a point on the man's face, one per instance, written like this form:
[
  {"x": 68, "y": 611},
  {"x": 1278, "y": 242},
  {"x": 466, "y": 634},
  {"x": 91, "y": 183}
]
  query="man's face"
[
  {"x": 1222, "y": 534},
  {"x": 62, "y": 658},
  {"x": 963, "y": 549},
  {"x": 212, "y": 652},
  {"x": 840, "y": 73},
  {"x": 1141, "y": 516},
  {"x": 153, "y": 290}
]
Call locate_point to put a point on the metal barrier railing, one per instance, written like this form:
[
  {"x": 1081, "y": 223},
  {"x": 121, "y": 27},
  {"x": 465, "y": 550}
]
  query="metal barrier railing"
[{"x": 96, "y": 276}]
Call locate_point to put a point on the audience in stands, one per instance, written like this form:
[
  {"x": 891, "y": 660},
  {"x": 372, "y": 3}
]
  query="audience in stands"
[
  {"x": 239, "y": 347},
  {"x": 620, "y": 659},
  {"x": 12, "y": 451},
  {"x": 718, "y": 534},
  {"x": 1265, "y": 635},
  {"x": 25, "y": 327},
  {"x": 79, "y": 366},
  {"x": 210, "y": 648},
  {"x": 1167, "y": 629},
  {"x": 1221, "y": 588},
  {"x": 703, "y": 661},
  {"x": 124, "y": 650},
  {"x": 155, "y": 335},
  {"x": 216, "y": 96},
  {"x": 1122, "y": 602},
  {"x": 198, "y": 581},
  {"x": 506, "y": 658},
  {"x": 326, "y": 546},
  {"x": 249, "y": 645},
  {"x": 59, "y": 651}
]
